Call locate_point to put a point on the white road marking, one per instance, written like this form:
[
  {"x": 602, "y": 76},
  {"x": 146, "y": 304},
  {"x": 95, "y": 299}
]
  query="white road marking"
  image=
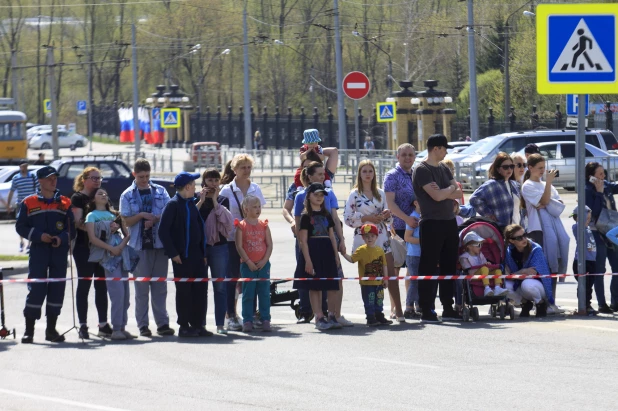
[
  {"x": 410, "y": 364},
  {"x": 60, "y": 401}
]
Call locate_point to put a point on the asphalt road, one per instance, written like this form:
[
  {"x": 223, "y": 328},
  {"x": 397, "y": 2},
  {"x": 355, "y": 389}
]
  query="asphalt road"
[{"x": 558, "y": 362}]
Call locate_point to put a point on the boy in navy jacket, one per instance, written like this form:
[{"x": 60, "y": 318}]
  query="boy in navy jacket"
[{"x": 181, "y": 231}]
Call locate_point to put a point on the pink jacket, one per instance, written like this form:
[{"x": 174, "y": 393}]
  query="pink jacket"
[{"x": 219, "y": 220}]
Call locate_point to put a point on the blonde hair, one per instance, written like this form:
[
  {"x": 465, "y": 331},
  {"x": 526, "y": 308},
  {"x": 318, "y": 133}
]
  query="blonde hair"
[
  {"x": 78, "y": 184},
  {"x": 240, "y": 159},
  {"x": 405, "y": 146},
  {"x": 374, "y": 184},
  {"x": 449, "y": 163},
  {"x": 248, "y": 200}
]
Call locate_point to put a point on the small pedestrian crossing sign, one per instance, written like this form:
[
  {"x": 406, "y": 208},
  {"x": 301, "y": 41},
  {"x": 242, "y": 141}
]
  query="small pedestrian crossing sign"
[
  {"x": 576, "y": 48},
  {"x": 386, "y": 112},
  {"x": 47, "y": 105},
  {"x": 170, "y": 118}
]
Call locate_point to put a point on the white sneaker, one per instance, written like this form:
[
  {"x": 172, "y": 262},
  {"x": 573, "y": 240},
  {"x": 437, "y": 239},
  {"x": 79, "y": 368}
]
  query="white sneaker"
[
  {"x": 499, "y": 291},
  {"x": 128, "y": 334},
  {"x": 118, "y": 336},
  {"x": 234, "y": 325},
  {"x": 554, "y": 309},
  {"x": 343, "y": 321},
  {"x": 488, "y": 292}
]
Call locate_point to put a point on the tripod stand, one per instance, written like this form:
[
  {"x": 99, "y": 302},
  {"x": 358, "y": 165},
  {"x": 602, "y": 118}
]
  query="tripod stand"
[
  {"x": 74, "y": 326},
  {"x": 4, "y": 332}
]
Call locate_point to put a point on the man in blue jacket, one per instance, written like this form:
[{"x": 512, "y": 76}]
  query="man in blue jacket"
[
  {"x": 181, "y": 231},
  {"x": 46, "y": 220}
]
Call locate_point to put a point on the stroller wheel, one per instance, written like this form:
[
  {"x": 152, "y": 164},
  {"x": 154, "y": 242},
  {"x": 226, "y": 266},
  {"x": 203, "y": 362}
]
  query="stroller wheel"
[
  {"x": 493, "y": 311},
  {"x": 297, "y": 311},
  {"x": 511, "y": 312},
  {"x": 502, "y": 311},
  {"x": 465, "y": 313},
  {"x": 475, "y": 313}
]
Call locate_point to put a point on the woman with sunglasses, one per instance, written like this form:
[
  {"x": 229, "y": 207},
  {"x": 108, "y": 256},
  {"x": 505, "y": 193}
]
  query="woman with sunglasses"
[
  {"x": 526, "y": 257},
  {"x": 85, "y": 186},
  {"x": 498, "y": 198}
]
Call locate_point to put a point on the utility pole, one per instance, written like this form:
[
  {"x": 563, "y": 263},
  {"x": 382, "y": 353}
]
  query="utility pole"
[
  {"x": 52, "y": 98},
  {"x": 247, "y": 95},
  {"x": 136, "y": 125},
  {"x": 343, "y": 136},
  {"x": 90, "y": 107},
  {"x": 14, "y": 78},
  {"x": 507, "y": 80},
  {"x": 474, "y": 108}
]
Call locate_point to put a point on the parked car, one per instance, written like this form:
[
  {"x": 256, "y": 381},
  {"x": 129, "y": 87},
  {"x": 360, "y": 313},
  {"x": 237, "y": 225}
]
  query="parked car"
[
  {"x": 117, "y": 175},
  {"x": 32, "y": 131},
  {"x": 560, "y": 155},
  {"x": 6, "y": 176},
  {"x": 458, "y": 147},
  {"x": 206, "y": 154},
  {"x": 43, "y": 140},
  {"x": 8, "y": 172}
]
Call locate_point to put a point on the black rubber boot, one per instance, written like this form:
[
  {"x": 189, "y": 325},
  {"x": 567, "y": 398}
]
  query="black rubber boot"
[
  {"x": 541, "y": 309},
  {"x": 50, "y": 333},
  {"x": 525, "y": 309},
  {"x": 29, "y": 334}
]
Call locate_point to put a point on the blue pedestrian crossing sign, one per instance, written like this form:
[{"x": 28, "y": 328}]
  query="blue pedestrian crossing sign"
[
  {"x": 170, "y": 118},
  {"x": 82, "y": 107},
  {"x": 386, "y": 112},
  {"x": 572, "y": 104},
  {"x": 47, "y": 105},
  {"x": 576, "y": 48}
]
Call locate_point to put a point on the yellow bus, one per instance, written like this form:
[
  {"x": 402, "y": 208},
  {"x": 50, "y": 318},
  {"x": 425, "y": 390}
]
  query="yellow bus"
[{"x": 13, "y": 141}]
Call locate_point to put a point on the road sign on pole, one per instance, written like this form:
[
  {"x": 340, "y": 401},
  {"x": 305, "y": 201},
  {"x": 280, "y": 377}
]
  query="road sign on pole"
[
  {"x": 170, "y": 118},
  {"x": 576, "y": 48},
  {"x": 82, "y": 107},
  {"x": 47, "y": 106},
  {"x": 356, "y": 85},
  {"x": 572, "y": 103},
  {"x": 386, "y": 112}
]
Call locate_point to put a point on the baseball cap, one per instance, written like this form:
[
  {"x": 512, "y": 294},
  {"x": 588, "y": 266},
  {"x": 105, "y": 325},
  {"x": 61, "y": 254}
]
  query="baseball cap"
[
  {"x": 574, "y": 213},
  {"x": 311, "y": 136},
  {"x": 532, "y": 149},
  {"x": 472, "y": 237},
  {"x": 45, "y": 172},
  {"x": 315, "y": 188},
  {"x": 369, "y": 229},
  {"x": 183, "y": 178},
  {"x": 438, "y": 140}
]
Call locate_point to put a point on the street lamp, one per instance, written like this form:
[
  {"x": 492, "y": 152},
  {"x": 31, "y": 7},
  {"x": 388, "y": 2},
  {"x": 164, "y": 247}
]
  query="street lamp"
[
  {"x": 355, "y": 33},
  {"x": 507, "y": 79},
  {"x": 311, "y": 88}
]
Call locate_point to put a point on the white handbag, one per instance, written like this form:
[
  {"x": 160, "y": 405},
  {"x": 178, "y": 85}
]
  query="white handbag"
[{"x": 399, "y": 249}]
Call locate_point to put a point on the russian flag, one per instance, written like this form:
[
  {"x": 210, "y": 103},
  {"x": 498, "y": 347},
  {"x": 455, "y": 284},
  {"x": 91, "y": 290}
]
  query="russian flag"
[
  {"x": 124, "y": 125},
  {"x": 157, "y": 131},
  {"x": 144, "y": 123}
]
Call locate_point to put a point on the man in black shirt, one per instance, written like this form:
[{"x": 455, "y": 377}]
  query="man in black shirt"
[{"x": 436, "y": 191}]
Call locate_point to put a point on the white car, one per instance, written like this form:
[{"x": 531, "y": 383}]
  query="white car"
[
  {"x": 458, "y": 147},
  {"x": 43, "y": 140},
  {"x": 32, "y": 131},
  {"x": 8, "y": 172}
]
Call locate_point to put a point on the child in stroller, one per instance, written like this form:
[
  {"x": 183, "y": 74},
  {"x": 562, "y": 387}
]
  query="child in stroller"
[
  {"x": 486, "y": 234},
  {"x": 475, "y": 263}
]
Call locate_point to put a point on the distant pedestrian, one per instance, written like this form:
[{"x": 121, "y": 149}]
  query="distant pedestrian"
[
  {"x": 47, "y": 220},
  {"x": 41, "y": 160},
  {"x": 369, "y": 145},
  {"x": 255, "y": 245},
  {"x": 141, "y": 207},
  {"x": 531, "y": 149},
  {"x": 26, "y": 184},
  {"x": 435, "y": 188},
  {"x": 181, "y": 230}
]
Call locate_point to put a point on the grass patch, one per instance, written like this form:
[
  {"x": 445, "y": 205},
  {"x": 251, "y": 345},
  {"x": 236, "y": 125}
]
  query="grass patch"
[
  {"x": 14, "y": 257},
  {"x": 107, "y": 140}
]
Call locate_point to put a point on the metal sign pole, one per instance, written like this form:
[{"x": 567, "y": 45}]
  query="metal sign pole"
[
  {"x": 581, "y": 201},
  {"x": 356, "y": 131}
]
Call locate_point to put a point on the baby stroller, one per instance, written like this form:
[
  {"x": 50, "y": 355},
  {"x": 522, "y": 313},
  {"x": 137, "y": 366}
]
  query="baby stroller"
[
  {"x": 494, "y": 251},
  {"x": 282, "y": 297}
]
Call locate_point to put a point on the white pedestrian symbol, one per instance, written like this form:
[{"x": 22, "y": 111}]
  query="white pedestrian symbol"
[
  {"x": 386, "y": 112},
  {"x": 582, "y": 54},
  {"x": 170, "y": 119}
]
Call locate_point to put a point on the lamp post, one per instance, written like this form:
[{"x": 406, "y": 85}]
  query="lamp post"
[
  {"x": 507, "y": 79},
  {"x": 311, "y": 88},
  {"x": 390, "y": 61}
]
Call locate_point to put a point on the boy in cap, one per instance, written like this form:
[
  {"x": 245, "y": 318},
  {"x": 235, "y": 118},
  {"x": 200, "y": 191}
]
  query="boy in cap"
[
  {"x": 475, "y": 263},
  {"x": 371, "y": 263},
  {"x": 182, "y": 233},
  {"x": 591, "y": 261},
  {"x": 311, "y": 142},
  {"x": 46, "y": 219}
]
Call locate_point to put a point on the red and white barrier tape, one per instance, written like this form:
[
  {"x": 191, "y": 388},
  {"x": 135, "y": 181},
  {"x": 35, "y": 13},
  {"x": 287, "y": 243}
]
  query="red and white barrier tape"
[{"x": 243, "y": 280}]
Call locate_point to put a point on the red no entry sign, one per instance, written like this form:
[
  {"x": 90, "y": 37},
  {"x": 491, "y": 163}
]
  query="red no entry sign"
[{"x": 356, "y": 85}]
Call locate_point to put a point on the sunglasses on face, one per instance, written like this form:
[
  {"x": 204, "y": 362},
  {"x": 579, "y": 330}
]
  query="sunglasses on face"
[
  {"x": 521, "y": 165},
  {"x": 508, "y": 167},
  {"x": 94, "y": 178},
  {"x": 519, "y": 238}
]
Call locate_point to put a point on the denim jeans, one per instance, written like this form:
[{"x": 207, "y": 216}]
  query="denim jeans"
[
  {"x": 412, "y": 264},
  {"x": 605, "y": 253},
  {"x": 233, "y": 271},
  {"x": 250, "y": 289},
  {"x": 373, "y": 298},
  {"x": 217, "y": 260}
]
